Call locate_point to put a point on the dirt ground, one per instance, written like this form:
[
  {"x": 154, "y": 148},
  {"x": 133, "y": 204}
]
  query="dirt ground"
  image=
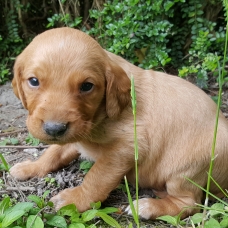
[{"x": 12, "y": 125}]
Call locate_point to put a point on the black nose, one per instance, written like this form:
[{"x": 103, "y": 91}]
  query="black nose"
[{"x": 55, "y": 128}]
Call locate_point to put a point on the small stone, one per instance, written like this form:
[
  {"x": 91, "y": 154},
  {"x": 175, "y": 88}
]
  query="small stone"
[{"x": 32, "y": 151}]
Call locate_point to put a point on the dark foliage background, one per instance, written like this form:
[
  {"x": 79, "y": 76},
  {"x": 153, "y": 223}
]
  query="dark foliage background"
[{"x": 180, "y": 37}]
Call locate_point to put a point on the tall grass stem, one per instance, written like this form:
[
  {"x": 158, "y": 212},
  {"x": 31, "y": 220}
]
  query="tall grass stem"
[
  {"x": 134, "y": 209},
  {"x": 133, "y": 97}
]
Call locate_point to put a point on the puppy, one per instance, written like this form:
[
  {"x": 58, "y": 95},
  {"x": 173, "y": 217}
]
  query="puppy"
[{"x": 78, "y": 98}]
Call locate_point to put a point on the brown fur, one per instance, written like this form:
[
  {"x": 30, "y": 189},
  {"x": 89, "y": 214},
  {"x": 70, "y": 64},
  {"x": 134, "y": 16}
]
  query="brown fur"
[{"x": 175, "y": 124}]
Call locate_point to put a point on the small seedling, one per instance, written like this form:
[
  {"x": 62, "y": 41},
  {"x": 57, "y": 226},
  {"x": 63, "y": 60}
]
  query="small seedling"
[
  {"x": 31, "y": 140},
  {"x": 9, "y": 141},
  {"x": 85, "y": 166},
  {"x": 50, "y": 180},
  {"x": 41, "y": 201},
  {"x": 84, "y": 219}
]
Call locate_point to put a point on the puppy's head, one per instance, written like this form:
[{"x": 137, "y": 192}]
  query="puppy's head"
[{"x": 69, "y": 85}]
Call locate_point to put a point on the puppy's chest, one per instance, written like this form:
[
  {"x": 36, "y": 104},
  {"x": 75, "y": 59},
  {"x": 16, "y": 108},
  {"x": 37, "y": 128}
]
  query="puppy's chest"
[{"x": 88, "y": 151}]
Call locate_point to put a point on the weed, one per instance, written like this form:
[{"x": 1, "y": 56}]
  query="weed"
[
  {"x": 31, "y": 140},
  {"x": 85, "y": 166},
  {"x": 50, "y": 180},
  {"x": 10, "y": 141},
  {"x": 27, "y": 214}
]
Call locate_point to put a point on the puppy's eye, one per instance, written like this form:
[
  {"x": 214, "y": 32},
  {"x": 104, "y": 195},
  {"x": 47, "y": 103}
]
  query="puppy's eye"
[
  {"x": 86, "y": 87},
  {"x": 34, "y": 82}
]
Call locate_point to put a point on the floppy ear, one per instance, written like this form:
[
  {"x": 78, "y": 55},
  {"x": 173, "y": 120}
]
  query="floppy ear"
[
  {"x": 117, "y": 90},
  {"x": 17, "y": 82}
]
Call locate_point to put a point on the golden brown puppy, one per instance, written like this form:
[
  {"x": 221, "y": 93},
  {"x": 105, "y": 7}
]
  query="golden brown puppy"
[{"x": 78, "y": 98}]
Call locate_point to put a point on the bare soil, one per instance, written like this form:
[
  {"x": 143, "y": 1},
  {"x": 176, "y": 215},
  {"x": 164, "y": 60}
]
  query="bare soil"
[{"x": 13, "y": 125}]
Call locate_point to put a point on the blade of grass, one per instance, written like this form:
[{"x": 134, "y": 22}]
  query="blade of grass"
[
  {"x": 133, "y": 97},
  {"x": 225, "y": 194},
  {"x": 134, "y": 209},
  {"x": 208, "y": 192},
  {"x": 135, "y": 216},
  {"x": 4, "y": 162}
]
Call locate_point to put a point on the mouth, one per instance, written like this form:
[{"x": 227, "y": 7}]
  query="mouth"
[
  {"x": 59, "y": 140},
  {"x": 54, "y": 140}
]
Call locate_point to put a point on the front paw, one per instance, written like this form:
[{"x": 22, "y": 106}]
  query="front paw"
[
  {"x": 144, "y": 208},
  {"x": 26, "y": 170},
  {"x": 72, "y": 196}
]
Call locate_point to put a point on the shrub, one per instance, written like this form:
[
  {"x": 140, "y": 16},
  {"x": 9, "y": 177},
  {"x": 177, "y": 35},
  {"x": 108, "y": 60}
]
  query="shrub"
[
  {"x": 181, "y": 37},
  {"x": 171, "y": 34}
]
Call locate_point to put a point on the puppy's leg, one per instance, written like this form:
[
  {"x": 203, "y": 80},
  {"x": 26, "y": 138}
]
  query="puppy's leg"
[
  {"x": 102, "y": 178},
  {"x": 54, "y": 158},
  {"x": 177, "y": 200}
]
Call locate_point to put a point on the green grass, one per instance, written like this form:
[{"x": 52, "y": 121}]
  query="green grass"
[{"x": 34, "y": 214}]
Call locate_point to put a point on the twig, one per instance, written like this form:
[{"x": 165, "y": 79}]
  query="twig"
[
  {"x": 13, "y": 132},
  {"x": 24, "y": 189},
  {"x": 24, "y": 147}
]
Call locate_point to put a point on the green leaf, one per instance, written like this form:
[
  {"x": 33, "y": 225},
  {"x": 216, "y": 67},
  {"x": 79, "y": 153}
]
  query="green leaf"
[
  {"x": 173, "y": 220},
  {"x": 11, "y": 217},
  {"x": 224, "y": 222},
  {"x": 50, "y": 204},
  {"x": 34, "y": 211},
  {"x": 89, "y": 215},
  {"x": 197, "y": 218},
  {"x": 46, "y": 194},
  {"x": 26, "y": 206},
  {"x": 191, "y": 20},
  {"x": 34, "y": 221},
  {"x": 168, "y": 5},
  {"x": 14, "y": 141},
  {"x": 200, "y": 12},
  {"x": 76, "y": 225},
  {"x": 31, "y": 140},
  {"x": 68, "y": 210},
  {"x": 37, "y": 200},
  {"x": 85, "y": 165},
  {"x": 130, "y": 225},
  {"x": 108, "y": 219},
  {"x": 191, "y": 14},
  {"x": 212, "y": 223},
  {"x": 92, "y": 226},
  {"x": 96, "y": 205},
  {"x": 216, "y": 209},
  {"x": 57, "y": 221},
  {"x": 4, "y": 142},
  {"x": 109, "y": 210},
  {"x": 4, "y": 204},
  {"x": 199, "y": 19}
]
